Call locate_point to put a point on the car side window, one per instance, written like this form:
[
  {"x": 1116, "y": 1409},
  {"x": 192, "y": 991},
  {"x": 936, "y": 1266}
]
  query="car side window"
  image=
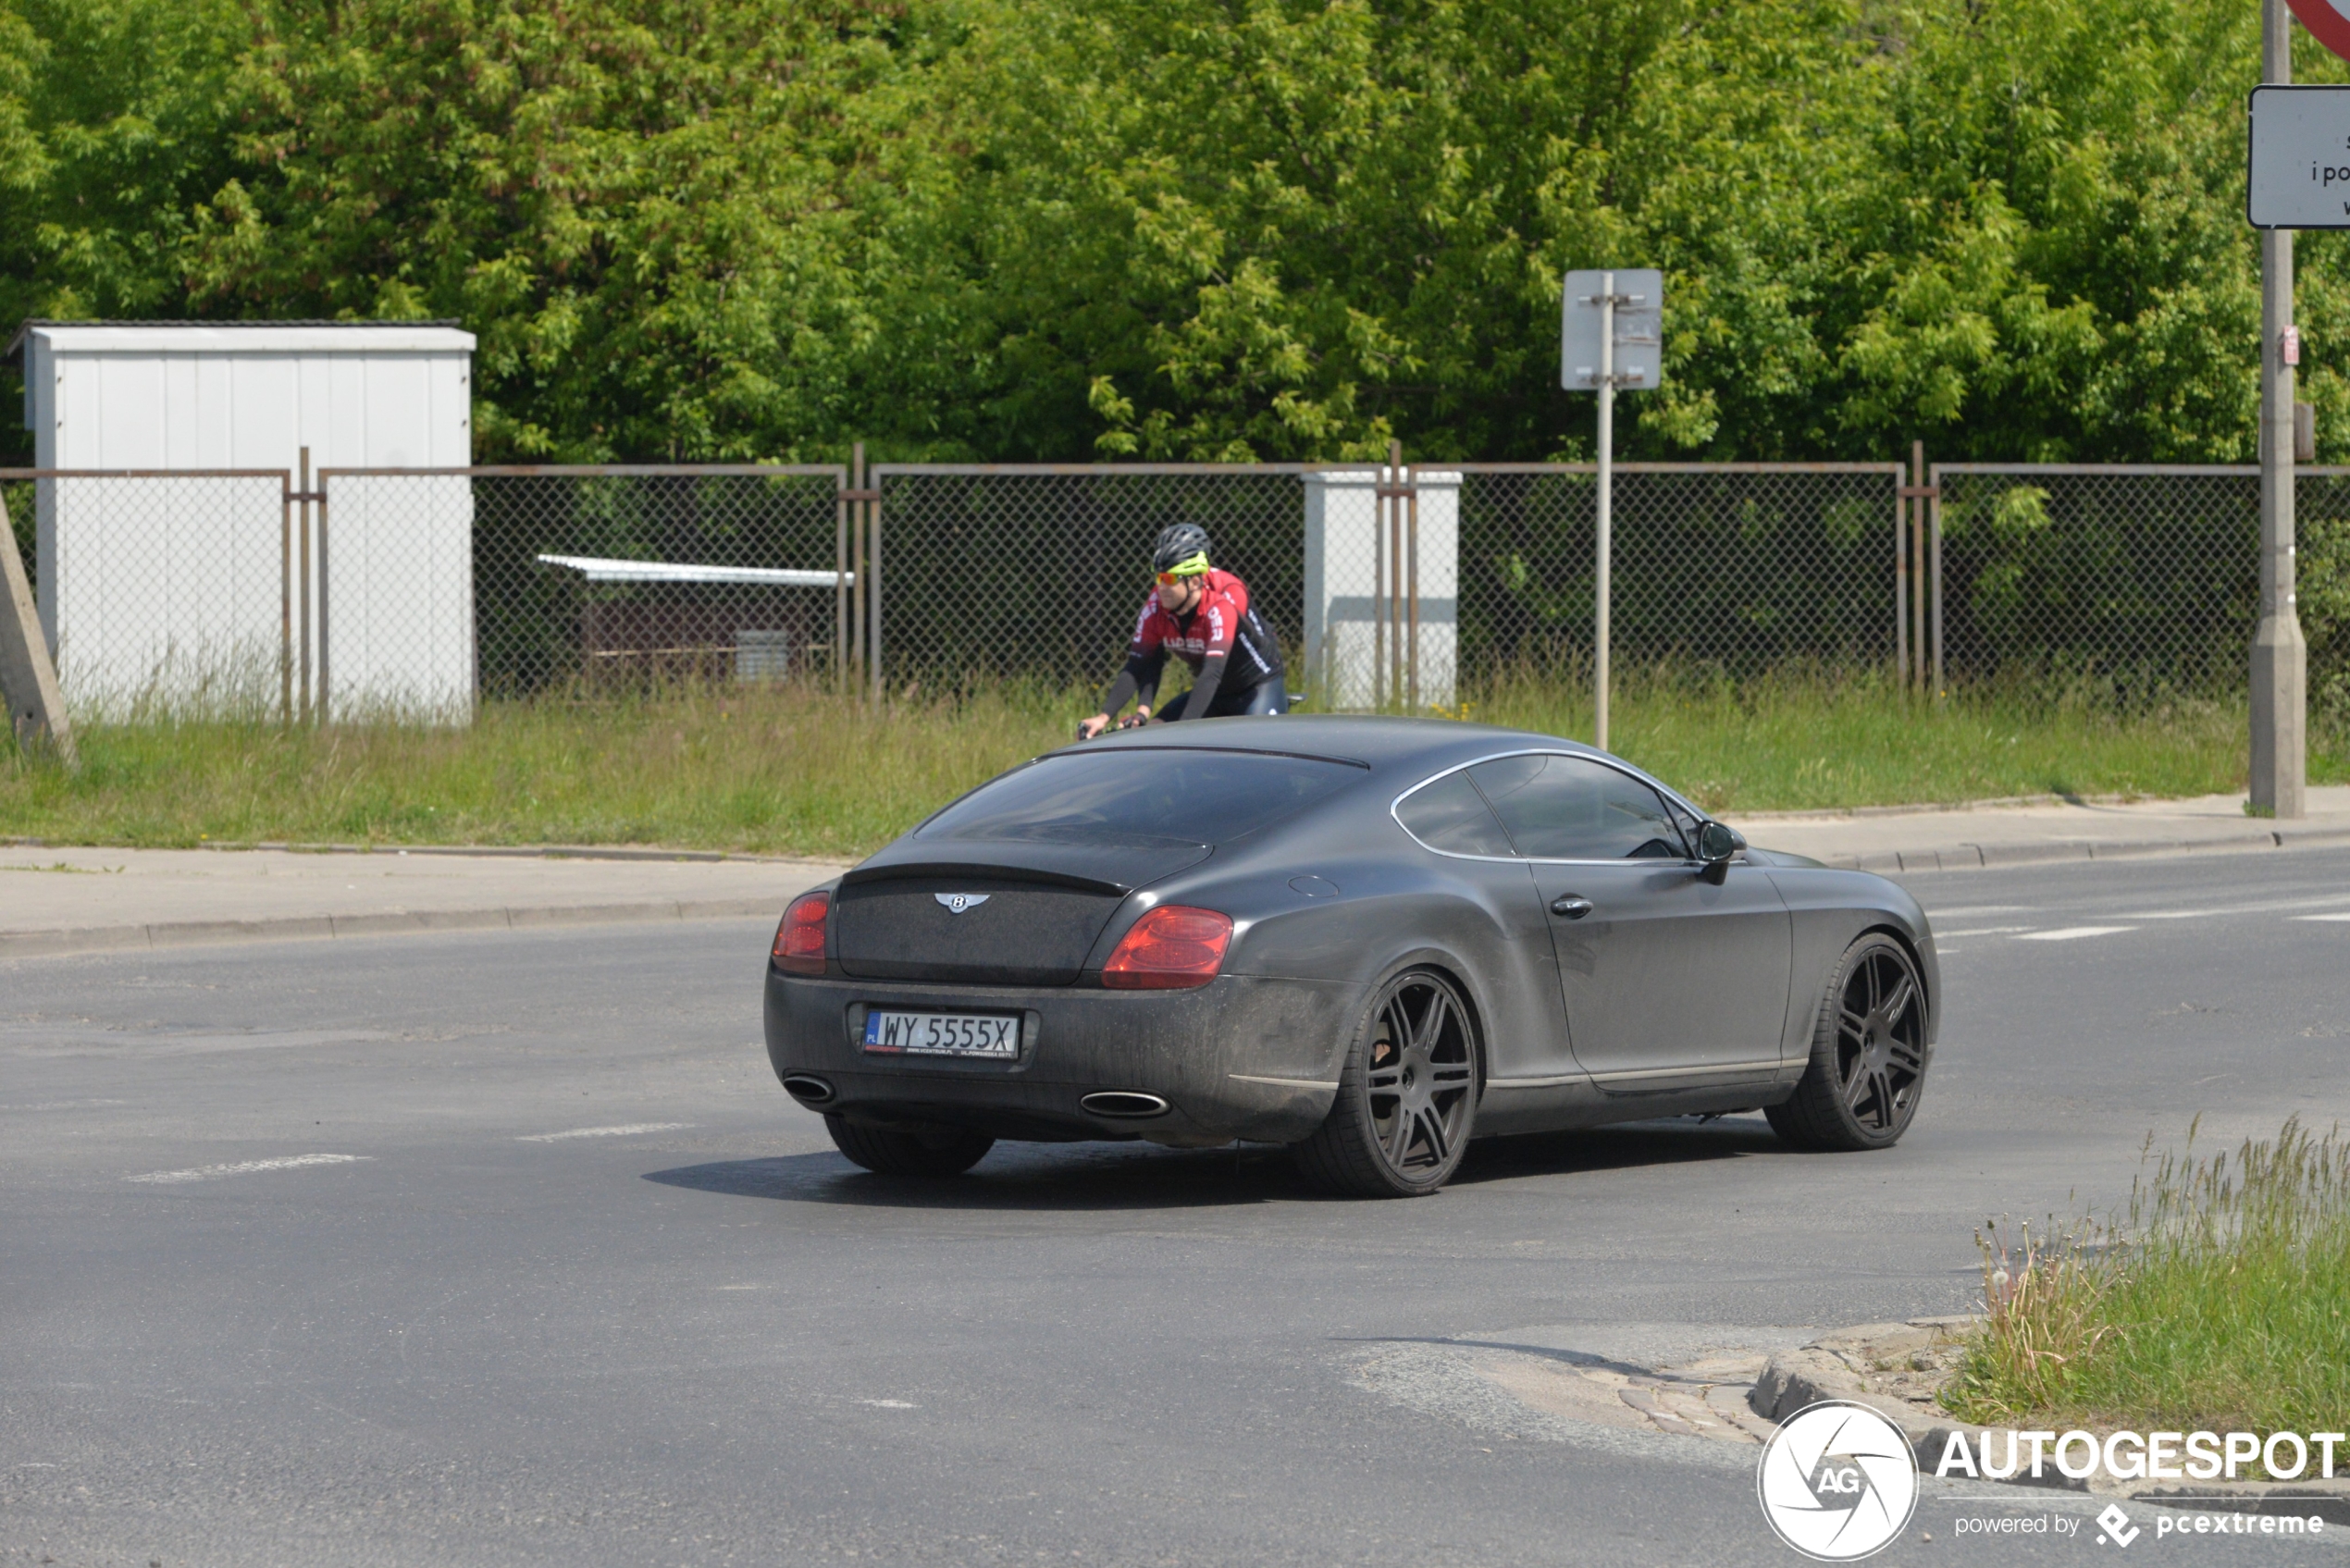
[
  {"x": 1452, "y": 816},
  {"x": 1571, "y": 809}
]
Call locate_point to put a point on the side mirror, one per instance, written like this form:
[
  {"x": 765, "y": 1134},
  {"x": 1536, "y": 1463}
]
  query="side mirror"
[{"x": 1716, "y": 842}]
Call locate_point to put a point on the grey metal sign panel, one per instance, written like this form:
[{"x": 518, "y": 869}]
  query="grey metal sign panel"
[
  {"x": 1639, "y": 330},
  {"x": 2299, "y": 163}
]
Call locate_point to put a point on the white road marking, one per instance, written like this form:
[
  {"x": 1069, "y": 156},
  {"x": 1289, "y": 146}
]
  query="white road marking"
[
  {"x": 2268, "y": 907},
  {"x": 891, "y": 1404},
  {"x": 2072, "y": 933},
  {"x": 247, "y": 1167},
  {"x": 633, "y": 1127},
  {"x": 1972, "y": 910},
  {"x": 2321, "y": 917},
  {"x": 61, "y": 1105},
  {"x": 1982, "y": 930}
]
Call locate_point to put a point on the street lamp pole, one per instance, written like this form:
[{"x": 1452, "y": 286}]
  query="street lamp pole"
[{"x": 2280, "y": 655}]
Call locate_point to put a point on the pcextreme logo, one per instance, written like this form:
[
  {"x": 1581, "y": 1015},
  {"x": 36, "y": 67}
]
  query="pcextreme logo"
[{"x": 1838, "y": 1481}]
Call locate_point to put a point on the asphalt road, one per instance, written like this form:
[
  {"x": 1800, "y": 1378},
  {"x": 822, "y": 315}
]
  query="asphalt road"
[{"x": 567, "y": 1278}]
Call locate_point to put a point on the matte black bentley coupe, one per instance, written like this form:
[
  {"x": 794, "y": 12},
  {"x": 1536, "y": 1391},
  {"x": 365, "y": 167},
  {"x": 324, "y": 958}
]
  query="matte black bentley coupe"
[{"x": 1369, "y": 939}]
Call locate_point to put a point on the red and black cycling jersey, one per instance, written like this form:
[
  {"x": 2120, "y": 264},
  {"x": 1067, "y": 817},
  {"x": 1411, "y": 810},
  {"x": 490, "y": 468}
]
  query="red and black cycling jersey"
[{"x": 1222, "y": 639}]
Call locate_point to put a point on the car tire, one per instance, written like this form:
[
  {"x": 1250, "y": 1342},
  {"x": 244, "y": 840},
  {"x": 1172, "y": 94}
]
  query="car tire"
[
  {"x": 1869, "y": 1054},
  {"x": 926, "y": 1149},
  {"x": 1406, "y": 1102}
]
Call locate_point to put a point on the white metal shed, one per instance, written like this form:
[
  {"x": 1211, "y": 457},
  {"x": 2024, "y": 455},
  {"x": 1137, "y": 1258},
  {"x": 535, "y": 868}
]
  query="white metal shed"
[{"x": 171, "y": 587}]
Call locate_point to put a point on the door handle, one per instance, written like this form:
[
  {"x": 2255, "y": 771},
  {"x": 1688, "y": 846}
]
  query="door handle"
[{"x": 1573, "y": 908}]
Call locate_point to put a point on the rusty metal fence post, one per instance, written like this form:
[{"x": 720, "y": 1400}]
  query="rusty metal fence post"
[
  {"x": 285, "y": 599},
  {"x": 1922, "y": 551},
  {"x": 860, "y": 497},
  {"x": 873, "y": 587},
  {"x": 1902, "y": 587},
  {"x": 322, "y": 710},
  {"x": 1917, "y": 553},
  {"x": 840, "y": 585},
  {"x": 1933, "y": 530},
  {"x": 1412, "y": 531}
]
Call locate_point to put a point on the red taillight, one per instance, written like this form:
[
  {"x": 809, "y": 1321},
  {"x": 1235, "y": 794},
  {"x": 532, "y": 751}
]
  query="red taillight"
[
  {"x": 1170, "y": 948},
  {"x": 799, "y": 941}
]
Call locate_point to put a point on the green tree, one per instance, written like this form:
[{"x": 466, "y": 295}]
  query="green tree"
[{"x": 1045, "y": 228}]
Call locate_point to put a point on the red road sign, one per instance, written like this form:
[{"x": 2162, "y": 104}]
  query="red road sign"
[{"x": 2328, "y": 22}]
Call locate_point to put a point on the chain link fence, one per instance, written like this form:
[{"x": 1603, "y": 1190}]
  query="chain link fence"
[
  {"x": 1039, "y": 574},
  {"x": 421, "y": 593},
  {"x": 2137, "y": 580},
  {"x": 1732, "y": 568},
  {"x": 2130, "y": 583},
  {"x": 160, "y": 593},
  {"x": 447, "y": 586}
]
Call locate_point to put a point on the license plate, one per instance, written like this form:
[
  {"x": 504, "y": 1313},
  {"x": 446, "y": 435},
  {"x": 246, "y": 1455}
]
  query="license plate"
[{"x": 942, "y": 1034}]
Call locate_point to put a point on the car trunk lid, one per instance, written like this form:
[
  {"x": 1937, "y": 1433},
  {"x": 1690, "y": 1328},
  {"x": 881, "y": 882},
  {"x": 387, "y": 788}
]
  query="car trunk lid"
[{"x": 991, "y": 912}]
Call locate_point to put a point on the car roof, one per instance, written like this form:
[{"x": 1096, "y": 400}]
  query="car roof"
[{"x": 1373, "y": 741}]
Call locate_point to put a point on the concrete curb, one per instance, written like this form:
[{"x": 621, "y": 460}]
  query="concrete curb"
[
  {"x": 312, "y": 927},
  {"x": 1983, "y": 857}
]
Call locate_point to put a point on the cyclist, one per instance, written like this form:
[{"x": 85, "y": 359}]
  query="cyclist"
[{"x": 1203, "y": 617}]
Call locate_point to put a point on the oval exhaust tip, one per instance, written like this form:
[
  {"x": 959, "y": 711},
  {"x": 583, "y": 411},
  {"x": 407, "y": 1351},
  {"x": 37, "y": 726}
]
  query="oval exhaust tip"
[
  {"x": 808, "y": 1089},
  {"x": 1124, "y": 1103}
]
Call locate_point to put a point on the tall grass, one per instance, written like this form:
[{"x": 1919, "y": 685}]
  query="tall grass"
[
  {"x": 2220, "y": 1300},
  {"x": 775, "y": 769},
  {"x": 1807, "y": 737},
  {"x": 794, "y": 770}
]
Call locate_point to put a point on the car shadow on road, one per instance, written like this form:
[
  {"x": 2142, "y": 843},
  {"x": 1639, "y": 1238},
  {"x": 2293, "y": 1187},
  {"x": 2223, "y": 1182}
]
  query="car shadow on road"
[
  {"x": 1046, "y": 1177},
  {"x": 1017, "y": 1176},
  {"x": 1627, "y": 1145}
]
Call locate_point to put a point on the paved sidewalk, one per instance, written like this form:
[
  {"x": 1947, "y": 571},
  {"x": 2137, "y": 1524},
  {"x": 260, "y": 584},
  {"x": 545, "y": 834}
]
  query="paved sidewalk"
[
  {"x": 72, "y": 900},
  {"x": 1969, "y": 838},
  {"x": 59, "y": 900}
]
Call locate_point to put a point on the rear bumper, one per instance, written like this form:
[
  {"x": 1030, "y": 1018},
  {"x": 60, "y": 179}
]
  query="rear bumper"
[{"x": 1239, "y": 1058}]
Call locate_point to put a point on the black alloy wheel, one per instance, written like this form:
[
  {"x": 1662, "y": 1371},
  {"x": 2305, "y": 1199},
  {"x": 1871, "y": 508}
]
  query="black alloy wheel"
[
  {"x": 1406, "y": 1097},
  {"x": 1868, "y": 1054},
  {"x": 909, "y": 1148}
]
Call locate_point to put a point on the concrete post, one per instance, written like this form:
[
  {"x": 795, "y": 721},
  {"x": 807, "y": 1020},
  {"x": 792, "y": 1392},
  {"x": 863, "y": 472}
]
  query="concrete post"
[
  {"x": 28, "y": 677},
  {"x": 2280, "y": 655}
]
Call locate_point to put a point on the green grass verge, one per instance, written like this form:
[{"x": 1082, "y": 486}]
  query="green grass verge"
[
  {"x": 1803, "y": 739},
  {"x": 2221, "y": 1301},
  {"x": 793, "y": 770}
]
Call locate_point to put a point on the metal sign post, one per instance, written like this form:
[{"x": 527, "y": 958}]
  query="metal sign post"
[
  {"x": 1611, "y": 335},
  {"x": 2298, "y": 167}
]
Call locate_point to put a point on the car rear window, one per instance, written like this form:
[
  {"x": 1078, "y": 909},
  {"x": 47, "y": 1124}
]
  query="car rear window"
[{"x": 1141, "y": 795}]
